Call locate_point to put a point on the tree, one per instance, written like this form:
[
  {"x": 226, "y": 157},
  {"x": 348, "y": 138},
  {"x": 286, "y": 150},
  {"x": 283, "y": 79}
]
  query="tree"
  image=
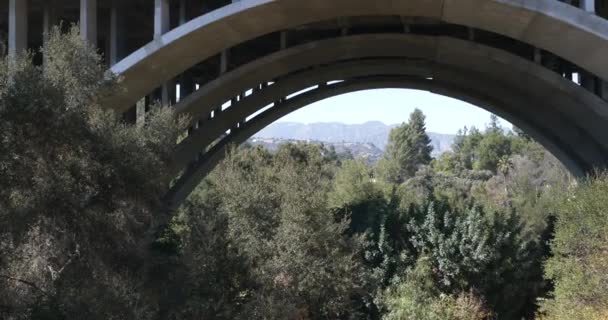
[
  {"x": 372, "y": 214},
  {"x": 492, "y": 148},
  {"x": 408, "y": 148},
  {"x": 494, "y": 125},
  {"x": 301, "y": 259},
  {"x": 416, "y": 297},
  {"x": 474, "y": 250},
  {"x": 79, "y": 203},
  {"x": 578, "y": 266},
  {"x": 465, "y": 143}
]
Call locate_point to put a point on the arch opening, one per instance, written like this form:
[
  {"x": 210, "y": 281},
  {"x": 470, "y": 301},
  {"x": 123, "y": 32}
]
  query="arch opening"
[{"x": 243, "y": 130}]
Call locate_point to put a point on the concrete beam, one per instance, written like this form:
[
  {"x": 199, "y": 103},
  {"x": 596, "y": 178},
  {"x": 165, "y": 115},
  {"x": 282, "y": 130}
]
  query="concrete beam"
[
  {"x": 17, "y": 26},
  {"x": 541, "y": 23},
  {"x": 301, "y": 57},
  {"x": 88, "y": 21}
]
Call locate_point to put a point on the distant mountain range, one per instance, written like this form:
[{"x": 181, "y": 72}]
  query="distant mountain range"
[
  {"x": 373, "y": 132},
  {"x": 366, "y": 151}
]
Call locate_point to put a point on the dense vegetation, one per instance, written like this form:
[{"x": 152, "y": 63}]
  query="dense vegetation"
[{"x": 495, "y": 229}]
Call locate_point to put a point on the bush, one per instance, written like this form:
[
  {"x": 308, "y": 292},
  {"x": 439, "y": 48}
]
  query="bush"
[
  {"x": 79, "y": 202},
  {"x": 579, "y": 265},
  {"x": 417, "y": 298}
]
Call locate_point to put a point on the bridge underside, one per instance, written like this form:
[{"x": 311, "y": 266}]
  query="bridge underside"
[
  {"x": 564, "y": 117},
  {"x": 541, "y": 64}
]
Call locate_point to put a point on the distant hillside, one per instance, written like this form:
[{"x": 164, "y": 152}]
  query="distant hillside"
[
  {"x": 366, "y": 151},
  {"x": 373, "y": 132}
]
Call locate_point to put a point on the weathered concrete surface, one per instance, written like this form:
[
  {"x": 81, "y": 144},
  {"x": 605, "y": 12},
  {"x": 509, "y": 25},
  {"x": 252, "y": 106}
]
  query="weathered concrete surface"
[
  {"x": 427, "y": 57},
  {"x": 198, "y": 170},
  {"x": 471, "y": 84},
  {"x": 546, "y": 24},
  {"x": 297, "y": 58},
  {"x": 571, "y": 144}
]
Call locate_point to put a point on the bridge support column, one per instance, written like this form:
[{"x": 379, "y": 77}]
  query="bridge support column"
[
  {"x": 603, "y": 89},
  {"x": 161, "y": 18},
  {"x": 162, "y": 26},
  {"x": 588, "y": 5},
  {"x": 538, "y": 56},
  {"x": 49, "y": 17},
  {"x": 140, "y": 112},
  {"x": 117, "y": 32},
  {"x": 88, "y": 21},
  {"x": 186, "y": 83},
  {"x": 224, "y": 62},
  {"x": 17, "y": 27}
]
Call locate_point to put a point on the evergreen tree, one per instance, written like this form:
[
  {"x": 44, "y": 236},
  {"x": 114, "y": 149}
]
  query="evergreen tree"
[
  {"x": 417, "y": 297},
  {"x": 578, "y": 266},
  {"x": 494, "y": 125},
  {"x": 473, "y": 250},
  {"x": 79, "y": 203},
  {"x": 465, "y": 144},
  {"x": 408, "y": 148},
  {"x": 301, "y": 260}
]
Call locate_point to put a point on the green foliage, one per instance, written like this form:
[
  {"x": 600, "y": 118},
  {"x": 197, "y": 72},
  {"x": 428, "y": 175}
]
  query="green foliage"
[
  {"x": 417, "y": 298},
  {"x": 447, "y": 163},
  {"x": 353, "y": 184},
  {"x": 474, "y": 250},
  {"x": 209, "y": 277},
  {"x": 491, "y": 150},
  {"x": 300, "y": 261},
  {"x": 579, "y": 265},
  {"x": 302, "y": 233},
  {"x": 371, "y": 214},
  {"x": 465, "y": 144},
  {"x": 80, "y": 192},
  {"x": 408, "y": 148}
]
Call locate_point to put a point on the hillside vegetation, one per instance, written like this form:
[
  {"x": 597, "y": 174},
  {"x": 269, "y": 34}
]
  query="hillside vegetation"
[{"x": 495, "y": 229}]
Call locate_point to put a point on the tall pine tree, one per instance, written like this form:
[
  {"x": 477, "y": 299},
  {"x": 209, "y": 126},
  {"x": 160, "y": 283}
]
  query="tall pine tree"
[{"x": 408, "y": 148}]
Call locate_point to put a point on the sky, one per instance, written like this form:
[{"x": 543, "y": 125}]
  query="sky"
[{"x": 443, "y": 114}]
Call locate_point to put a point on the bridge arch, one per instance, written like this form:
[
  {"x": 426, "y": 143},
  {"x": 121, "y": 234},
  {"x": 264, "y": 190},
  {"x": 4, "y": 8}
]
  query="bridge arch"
[
  {"x": 516, "y": 58},
  {"x": 561, "y": 115},
  {"x": 546, "y": 24}
]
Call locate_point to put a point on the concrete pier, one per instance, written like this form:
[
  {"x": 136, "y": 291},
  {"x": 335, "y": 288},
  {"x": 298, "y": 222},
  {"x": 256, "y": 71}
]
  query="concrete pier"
[
  {"x": 88, "y": 21},
  {"x": 17, "y": 26}
]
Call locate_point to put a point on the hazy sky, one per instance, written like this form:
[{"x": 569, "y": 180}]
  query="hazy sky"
[{"x": 443, "y": 114}]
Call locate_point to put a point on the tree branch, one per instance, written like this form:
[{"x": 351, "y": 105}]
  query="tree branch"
[{"x": 31, "y": 284}]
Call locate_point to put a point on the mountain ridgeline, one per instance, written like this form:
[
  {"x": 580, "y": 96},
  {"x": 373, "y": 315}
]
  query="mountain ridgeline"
[{"x": 334, "y": 132}]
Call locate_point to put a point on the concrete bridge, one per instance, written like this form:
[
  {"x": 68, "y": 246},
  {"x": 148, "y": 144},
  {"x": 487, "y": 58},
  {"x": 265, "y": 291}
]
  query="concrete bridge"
[{"x": 236, "y": 67}]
